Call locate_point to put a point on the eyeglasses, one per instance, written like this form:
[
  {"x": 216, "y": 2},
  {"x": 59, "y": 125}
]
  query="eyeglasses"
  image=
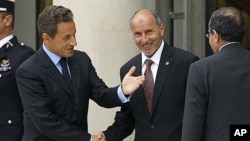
[{"x": 209, "y": 33}]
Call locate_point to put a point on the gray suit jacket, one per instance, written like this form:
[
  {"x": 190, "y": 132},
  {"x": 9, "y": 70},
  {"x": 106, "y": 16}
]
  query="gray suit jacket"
[{"x": 218, "y": 95}]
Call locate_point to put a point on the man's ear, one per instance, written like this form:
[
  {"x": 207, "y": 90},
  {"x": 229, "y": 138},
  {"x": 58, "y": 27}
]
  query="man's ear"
[
  {"x": 8, "y": 19},
  {"x": 217, "y": 37},
  {"x": 162, "y": 28},
  {"x": 46, "y": 37}
]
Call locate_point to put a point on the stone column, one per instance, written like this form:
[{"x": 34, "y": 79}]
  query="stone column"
[
  {"x": 195, "y": 26},
  {"x": 103, "y": 31}
]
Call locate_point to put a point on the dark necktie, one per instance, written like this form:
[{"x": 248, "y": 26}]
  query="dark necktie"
[
  {"x": 65, "y": 72},
  {"x": 148, "y": 85}
]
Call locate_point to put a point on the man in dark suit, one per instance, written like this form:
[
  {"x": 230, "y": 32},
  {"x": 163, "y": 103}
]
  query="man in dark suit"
[
  {"x": 163, "y": 119},
  {"x": 218, "y": 86},
  {"x": 56, "y": 107},
  {"x": 12, "y": 54}
]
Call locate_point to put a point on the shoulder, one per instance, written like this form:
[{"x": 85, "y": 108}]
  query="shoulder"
[
  {"x": 177, "y": 52},
  {"x": 81, "y": 57},
  {"x": 80, "y": 54},
  {"x": 181, "y": 57},
  {"x": 133, "y": 61},
  {"x": 20, "y": 46},
  {"x": 206, "y": 64},
  {"x": 26, "y": 48}
]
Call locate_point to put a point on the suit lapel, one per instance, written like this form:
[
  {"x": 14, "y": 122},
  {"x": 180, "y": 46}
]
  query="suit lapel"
[
  {"x": 165, "y": 64},
  {"x": 75, "y": 76},
  {"x": 52, "y": 71},
  {"x": 138, "y": 73}
]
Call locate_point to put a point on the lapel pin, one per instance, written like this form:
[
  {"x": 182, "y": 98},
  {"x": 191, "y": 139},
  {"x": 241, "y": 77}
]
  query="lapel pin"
[{"x": 167, "y": 63}]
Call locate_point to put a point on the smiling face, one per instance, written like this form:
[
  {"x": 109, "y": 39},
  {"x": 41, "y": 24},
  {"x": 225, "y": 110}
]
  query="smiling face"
[
  {"x": 64, "y": 41},
  {"x": 147, "y": 33}
]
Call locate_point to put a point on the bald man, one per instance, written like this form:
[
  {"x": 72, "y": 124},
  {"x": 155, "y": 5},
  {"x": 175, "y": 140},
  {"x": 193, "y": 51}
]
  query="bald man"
[{"x": 158, "y": 118}]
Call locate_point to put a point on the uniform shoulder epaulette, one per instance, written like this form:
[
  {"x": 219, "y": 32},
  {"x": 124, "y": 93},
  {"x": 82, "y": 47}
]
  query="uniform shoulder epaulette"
[{"x": 24, "y": 45}]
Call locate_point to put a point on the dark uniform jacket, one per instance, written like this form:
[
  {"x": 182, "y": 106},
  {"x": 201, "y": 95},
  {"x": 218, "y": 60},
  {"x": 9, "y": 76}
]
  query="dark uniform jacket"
[{"x": 12, "y": 55}]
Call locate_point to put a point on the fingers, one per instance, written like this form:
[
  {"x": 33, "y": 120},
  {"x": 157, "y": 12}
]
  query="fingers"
[
  {"x": 130, "y": 83},
  {"x": 131, "y": 71},
  {"x": 140, "y": 80},
  {"x": 99, "y": 137}
]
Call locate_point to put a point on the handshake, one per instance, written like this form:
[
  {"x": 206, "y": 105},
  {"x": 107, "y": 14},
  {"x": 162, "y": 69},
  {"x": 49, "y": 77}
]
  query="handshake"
[{"x": 98, "y": 137}]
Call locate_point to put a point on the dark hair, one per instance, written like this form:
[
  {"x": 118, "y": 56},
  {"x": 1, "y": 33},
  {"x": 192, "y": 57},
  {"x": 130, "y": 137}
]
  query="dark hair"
[
  {"x": 228, "y": 22},
  {"x": 50, "y": 17}
]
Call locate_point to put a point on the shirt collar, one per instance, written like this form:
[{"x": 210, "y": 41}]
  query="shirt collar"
[
  {"x": 156, "y": 57},
  {"x": 53, "y": 57},
  {"x": 228, "y": 44},
  {"x": 5, "y": 40}
]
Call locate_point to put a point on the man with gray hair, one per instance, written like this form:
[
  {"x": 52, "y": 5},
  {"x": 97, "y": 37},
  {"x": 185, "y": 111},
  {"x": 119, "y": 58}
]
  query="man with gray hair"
[{"x": 155, "y": 109}]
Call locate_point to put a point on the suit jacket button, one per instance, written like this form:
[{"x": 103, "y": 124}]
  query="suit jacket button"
[
  {"x": 9, "y": 121},
  {"x": 152, "y": 126}
]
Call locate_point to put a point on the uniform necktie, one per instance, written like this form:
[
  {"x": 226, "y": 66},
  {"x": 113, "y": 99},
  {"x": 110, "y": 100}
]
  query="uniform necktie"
[
  {"x": 65, "y": 72},
  {"x": 148, "y": 85}
]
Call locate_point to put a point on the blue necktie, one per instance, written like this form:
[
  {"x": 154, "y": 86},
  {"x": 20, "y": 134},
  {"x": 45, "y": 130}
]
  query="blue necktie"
[{"x": 65, "y": 72}]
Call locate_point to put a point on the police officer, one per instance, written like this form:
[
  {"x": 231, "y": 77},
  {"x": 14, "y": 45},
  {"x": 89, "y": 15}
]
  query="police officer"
[{"x": 12, "y": 54}]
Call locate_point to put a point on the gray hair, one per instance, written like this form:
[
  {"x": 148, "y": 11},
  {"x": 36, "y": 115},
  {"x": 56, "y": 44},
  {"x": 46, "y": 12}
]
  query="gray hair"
[{"x": 153, "y": 12}]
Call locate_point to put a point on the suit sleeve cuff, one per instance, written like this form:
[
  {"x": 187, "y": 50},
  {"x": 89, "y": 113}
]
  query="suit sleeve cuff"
[{"x": 122, "y": 97}]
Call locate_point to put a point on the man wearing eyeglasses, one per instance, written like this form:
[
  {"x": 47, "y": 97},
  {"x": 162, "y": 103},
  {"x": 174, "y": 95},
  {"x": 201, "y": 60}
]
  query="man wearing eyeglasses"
[{"x": 218, "y": 92}]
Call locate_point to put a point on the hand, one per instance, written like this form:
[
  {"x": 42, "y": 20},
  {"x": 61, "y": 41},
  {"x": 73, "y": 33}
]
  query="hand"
[
  {"x": 99, "y": 137},
  {"x": 131, "y": 83}
]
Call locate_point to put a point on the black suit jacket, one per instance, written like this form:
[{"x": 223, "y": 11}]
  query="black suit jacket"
[
  {"x": 165, "y": 122},
  {"x": 218, "y": 95},
  {"x": 51, "y": 113},
  {"x": 11, "y": 110}
]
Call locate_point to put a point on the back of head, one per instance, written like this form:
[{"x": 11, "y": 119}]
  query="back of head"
[
  {"x": 228, "y": 22},
  {"x": 50, "y": 17}
]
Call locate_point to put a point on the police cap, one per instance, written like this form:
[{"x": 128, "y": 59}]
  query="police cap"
[{"x": 7, "y": 6}]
